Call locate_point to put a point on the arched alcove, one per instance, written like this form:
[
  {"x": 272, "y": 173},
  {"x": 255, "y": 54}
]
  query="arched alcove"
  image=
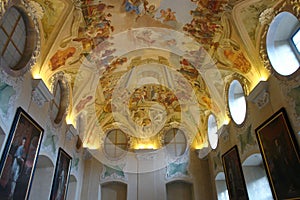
[
  {"x": 177, "y": 190},
  {"x": 42, "y": 179},
  {"x": 114, "y": 191},
  {"x": 256, "y": 179},
  {"x": 71, "y": 193},
  {"x": 221, "y": 187}
]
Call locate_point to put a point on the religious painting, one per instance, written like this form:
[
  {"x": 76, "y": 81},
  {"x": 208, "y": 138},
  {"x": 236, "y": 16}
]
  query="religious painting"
[
  {"x": 19, "y": 158},
  {"x": 280, "y": 153},
  {"x": 235, "y": 181},
  {"x": 61, "y": 176}
]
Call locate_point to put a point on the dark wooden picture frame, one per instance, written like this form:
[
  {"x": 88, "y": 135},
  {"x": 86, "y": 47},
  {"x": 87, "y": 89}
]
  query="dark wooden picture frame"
[
  {"x": 61, "y": 176},
  {"x": 234, "y": 175},
  {"x": 280, "y": 153},
  {"x": 19, "y": 157}
]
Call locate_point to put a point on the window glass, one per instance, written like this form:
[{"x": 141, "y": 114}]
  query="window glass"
[
  {"x": 296, "y": 40},
  {"x": 13, "y": 37},
  {"x": 175, "y": 142},
  {"x": 116, "y": 144},
  {"x": 212, "y": 130},
  {"x": 237, "y": 102},
  {"x": 283, "y": 44}
]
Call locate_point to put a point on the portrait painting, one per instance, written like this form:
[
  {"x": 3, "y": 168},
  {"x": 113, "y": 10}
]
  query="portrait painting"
[
  {"x": 280, "y": 152},
  {"x": 19, "y": 157},
  {"x": 235, "y": 181},
  {"x": 61, "y": 176}
]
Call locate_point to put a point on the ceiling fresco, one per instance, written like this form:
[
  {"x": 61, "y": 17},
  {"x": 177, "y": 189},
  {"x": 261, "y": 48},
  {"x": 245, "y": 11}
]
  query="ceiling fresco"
[
  {"x": 147, "y": 65},
  {"x": 52, "y": 12}
]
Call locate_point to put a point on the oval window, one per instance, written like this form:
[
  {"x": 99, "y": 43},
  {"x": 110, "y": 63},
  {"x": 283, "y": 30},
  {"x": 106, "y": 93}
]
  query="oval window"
[
  {"x": 237, "y": 102},
  {"x": 212, "y": 130},
  {"x": 175, "y": 142},
  {"x": 16, "y": 45},
  {"x": 115, "y": 144},
  {"x": 283, "y": 43},
  {"x": 60, "y": 101}
]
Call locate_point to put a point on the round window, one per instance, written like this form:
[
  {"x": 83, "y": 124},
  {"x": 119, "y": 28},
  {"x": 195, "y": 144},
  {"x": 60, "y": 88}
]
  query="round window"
[
  {"x": 237, "y": 102},
  {"x": 13, "y": 37},
  {"x": 115, "y": 144},
  {"x": 60, "y": 102},
  {"x": 175, "y": 142},
  {"x": 16, "y": 45}
]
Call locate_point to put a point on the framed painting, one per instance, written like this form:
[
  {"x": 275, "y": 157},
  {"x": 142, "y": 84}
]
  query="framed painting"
[
  {"x": 280, "y": 153},
  {"x": 19, "y": 157},
  {"x": 61, "y": 176},
  {"x": 235, "y": 181}
]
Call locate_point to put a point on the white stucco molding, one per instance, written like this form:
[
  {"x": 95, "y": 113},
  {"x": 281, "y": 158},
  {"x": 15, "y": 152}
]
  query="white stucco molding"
[
  {"x": 40, "y": 92},
  {"x": 260, "y": 95}
]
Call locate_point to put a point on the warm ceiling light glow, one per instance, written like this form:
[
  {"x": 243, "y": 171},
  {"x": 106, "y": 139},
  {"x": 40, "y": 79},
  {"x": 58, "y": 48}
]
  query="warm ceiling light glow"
[
  {"x": 145, "y": 146},
  {"x": 36, "y": 75},
  {"x": 89, "y": 146},
  {"x": 226, "y": 120},
  {"x": 69, "y": 120},
  {"x": 264, "y": 77},
  {"x": 198, "y": 146}
]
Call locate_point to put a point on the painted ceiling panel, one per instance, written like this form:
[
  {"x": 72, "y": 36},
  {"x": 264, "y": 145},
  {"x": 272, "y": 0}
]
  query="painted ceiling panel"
[{"x": 142, "y": 66}]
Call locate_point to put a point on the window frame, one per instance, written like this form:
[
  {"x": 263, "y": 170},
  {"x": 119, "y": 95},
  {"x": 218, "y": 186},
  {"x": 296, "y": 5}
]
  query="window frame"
[
  {"x": 173, "y": 143},
  {"x": 115, "y": 144},
  {"x": 31, "y": 47},
  {"x": 229, "y": 100}
]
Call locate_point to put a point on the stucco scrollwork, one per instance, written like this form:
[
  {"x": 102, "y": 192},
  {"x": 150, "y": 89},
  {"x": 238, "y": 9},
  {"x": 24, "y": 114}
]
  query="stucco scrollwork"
[
  {"x": 36, "y": 9},
  {"x": 34, "y": 13},
  {"x": 266, "y": 16}
]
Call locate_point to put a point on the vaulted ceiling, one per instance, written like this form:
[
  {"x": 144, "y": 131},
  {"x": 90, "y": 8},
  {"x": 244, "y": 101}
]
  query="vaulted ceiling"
[{"x": 144, "y": 66}]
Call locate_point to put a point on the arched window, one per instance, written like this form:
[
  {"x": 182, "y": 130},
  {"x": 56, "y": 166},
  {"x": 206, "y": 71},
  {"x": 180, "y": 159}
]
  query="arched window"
[
  {"x": 43, "y": 178},
  {"x": 71, "y": 193},
  {"x": 221, "y": 187},
  {"x": 237, "y": 102},
  {"x": 256, "y": 178},
  {"x": 175, "y": 142},
  {"x": 283, "y": 42},
  {"x": 115, "y": 144}
]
